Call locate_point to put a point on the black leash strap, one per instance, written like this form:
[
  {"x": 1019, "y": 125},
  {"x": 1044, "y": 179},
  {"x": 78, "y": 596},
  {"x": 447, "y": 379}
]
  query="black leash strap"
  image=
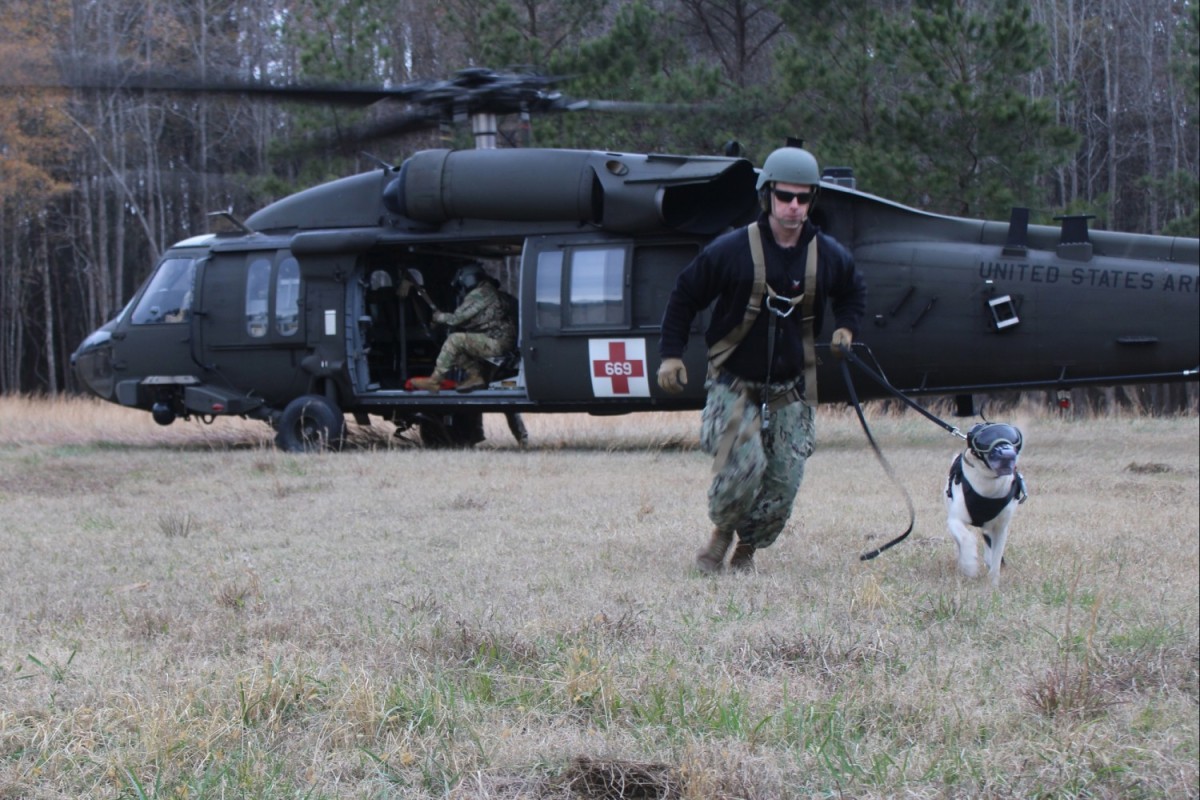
[
  {"x": 882, "y": 381},
  {"x": 912, "y": 514}
]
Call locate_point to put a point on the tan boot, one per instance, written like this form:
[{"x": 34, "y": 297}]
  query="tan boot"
[
  {"x": 432, "y": 384},
  {"x": 709, "y": 559},
  {"x": 471, "y": 382},
  {"x": 743, "y": 557}
]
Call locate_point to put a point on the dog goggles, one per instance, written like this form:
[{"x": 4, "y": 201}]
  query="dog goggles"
[{"x": 987, "y": 436}]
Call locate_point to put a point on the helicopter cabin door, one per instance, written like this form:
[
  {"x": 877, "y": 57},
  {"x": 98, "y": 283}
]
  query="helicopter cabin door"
[
  {"x": 591, "y": 314},
  {"x": 250, "y": 326}
]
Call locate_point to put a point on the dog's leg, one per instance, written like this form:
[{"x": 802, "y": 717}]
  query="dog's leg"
[
  {"x": 968, "y": 548},
  {"x": 995, "y": 537}
]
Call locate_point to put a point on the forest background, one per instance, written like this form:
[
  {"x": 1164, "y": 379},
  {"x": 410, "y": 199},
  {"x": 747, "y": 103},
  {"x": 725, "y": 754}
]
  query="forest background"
[{"x": 963, "y": 107}]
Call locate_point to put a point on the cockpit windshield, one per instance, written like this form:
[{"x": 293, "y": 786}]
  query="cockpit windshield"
[{"x": 168, "y": 297}]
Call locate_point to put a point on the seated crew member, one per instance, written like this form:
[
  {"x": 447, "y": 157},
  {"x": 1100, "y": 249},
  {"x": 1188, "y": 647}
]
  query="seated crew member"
[{"x": 482, "y": 327}]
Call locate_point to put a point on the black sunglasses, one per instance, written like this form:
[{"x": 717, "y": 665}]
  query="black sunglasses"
[{"x": 788, "y": 197}]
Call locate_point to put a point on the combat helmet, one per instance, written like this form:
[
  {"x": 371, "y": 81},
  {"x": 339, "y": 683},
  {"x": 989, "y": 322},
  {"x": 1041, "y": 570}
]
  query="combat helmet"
[
  {"x": 468, "y": 277},
  {"x": 787, "y": 165}
]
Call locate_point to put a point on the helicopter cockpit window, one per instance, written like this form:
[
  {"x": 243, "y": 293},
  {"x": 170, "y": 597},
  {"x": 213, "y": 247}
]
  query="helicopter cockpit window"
[
  {"x": 168, "y": 297},
  {"x": 597, "y": 286},
  {"x": 287, "y": 297},
  {"x": 258, "y": 284}
]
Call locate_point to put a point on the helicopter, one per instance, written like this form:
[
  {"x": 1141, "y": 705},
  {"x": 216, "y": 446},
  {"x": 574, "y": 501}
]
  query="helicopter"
[{"x": 319, "y": 305}]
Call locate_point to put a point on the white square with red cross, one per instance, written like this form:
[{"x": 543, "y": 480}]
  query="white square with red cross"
[{"x": 619, "y": 367}]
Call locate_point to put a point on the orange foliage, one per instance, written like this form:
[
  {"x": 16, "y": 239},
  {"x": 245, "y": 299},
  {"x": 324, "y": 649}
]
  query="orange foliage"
[{"x": 36, "y": 133}]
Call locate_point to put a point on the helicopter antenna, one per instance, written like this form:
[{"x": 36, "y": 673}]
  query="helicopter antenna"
[
  {"x": 372, "y": 157},
  {"x": 226, "y": 222}
]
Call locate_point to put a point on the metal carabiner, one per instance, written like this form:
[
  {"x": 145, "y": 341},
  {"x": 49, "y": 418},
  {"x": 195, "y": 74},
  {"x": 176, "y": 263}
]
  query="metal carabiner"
[{"x": 780, "y": 306}]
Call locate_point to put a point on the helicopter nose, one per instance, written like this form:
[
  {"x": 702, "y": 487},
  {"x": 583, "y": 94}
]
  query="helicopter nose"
[{"x": 92, "y": 363}]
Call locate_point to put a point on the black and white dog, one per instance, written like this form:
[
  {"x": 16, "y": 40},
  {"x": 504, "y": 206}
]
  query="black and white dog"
[{"x": 983, "y": 491}]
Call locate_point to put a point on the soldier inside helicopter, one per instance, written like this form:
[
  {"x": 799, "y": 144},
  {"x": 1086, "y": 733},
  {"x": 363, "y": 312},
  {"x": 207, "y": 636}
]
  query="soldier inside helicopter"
[{"x": 406, "y": 328}]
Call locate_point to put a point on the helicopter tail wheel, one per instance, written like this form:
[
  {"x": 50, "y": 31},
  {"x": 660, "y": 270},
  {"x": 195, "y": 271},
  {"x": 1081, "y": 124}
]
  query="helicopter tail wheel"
[{"x": 310, "y": 423}]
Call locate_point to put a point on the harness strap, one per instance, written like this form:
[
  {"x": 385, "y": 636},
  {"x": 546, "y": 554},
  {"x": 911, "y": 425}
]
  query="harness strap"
[
  {"x": 720, "y": 352},
  {"x": 810, "y": 352},
  {"x": 983, "y": 509},
  {"x": 736, "y": 431}
]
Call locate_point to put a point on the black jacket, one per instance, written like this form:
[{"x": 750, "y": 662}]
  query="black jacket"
[{"x": 724, "y": 271}]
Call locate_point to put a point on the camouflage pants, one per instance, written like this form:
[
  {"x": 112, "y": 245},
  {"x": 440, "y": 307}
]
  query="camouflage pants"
[
  {"x": 466, "y": 350},
  {"x": 754, "y": 485}
]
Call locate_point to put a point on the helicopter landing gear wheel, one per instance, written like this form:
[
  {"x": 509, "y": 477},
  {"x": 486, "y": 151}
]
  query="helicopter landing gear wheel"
[
  {"x": 310, "y": 423},
  {"x": 460, "y": 430}
]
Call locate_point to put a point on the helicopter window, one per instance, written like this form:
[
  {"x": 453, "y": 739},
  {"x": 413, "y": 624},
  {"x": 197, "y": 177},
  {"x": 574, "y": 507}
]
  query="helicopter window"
[
  {"x": 549, "y": 290},
  {"x": 654, "y": 270},
  {"x": 168, "y": 297},
  {"x": 287, "y": 297},
  {"x": 258, "y": 283},
  {"x": 597, "y": 286}
]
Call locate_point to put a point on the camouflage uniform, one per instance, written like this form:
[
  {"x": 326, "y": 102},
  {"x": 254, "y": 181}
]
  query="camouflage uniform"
[
  {"x": 754, "y": 485},
  {"x": 485, "y": 329}
]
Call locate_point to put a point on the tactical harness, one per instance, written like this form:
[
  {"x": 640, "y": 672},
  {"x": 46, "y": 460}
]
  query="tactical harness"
[
  {"x": 737, "y": 433},
  {"x": 983, "y": 509}
]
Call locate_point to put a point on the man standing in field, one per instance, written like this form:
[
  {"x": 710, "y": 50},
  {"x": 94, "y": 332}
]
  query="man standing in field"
[{"x": 758, "y": 416}]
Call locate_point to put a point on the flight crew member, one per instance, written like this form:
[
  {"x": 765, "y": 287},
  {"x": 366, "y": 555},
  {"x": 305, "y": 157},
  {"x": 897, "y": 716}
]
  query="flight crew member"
[
  {"x": 483, "y": 326},
  {"x": 758, "y": 415}
]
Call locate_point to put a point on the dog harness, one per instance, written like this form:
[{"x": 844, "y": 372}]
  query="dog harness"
[{"x": 983, "y": 509}]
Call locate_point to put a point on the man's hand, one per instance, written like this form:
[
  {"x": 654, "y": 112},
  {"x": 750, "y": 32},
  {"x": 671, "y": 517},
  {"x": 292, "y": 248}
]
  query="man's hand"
[
  {"x": 439, "y": 317},
  {"x": 672, "y": 375},
  {"x": 842, "y": 339}
]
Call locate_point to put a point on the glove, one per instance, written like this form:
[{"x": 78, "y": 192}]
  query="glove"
[
  {"x": 842, "y": 339},
  {"x": 672, "y": 375},
  {"x": 439, "y": 317}
]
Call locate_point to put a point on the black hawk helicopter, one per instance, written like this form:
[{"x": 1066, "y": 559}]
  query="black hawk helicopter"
[{"x": 319, "y": 304}]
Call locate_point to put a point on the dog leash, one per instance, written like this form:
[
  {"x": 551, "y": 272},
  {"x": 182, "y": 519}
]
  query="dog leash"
[
  {"x": 882, "y": 381},
  {"x": 847, "y": 358}
]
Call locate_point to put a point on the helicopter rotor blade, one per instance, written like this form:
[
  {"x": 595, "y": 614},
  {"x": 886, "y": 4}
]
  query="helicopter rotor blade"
[
  {"x": 124, "y": 77},
  {"x": 429, "y": 103}
]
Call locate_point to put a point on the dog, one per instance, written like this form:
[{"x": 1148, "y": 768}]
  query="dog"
[{"x": 983, "y": 491}]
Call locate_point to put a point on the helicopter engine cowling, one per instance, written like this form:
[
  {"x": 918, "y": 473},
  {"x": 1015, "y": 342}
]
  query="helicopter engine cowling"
[
  {"x": 520, "y": 186},
  {"x": 620, "y": 193}
]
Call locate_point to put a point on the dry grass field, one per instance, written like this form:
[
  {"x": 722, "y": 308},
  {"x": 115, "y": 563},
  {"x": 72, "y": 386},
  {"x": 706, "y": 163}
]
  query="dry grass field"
[{"x": 188, "y": 613}]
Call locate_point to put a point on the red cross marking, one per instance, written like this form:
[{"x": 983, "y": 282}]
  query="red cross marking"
[{"x": 618, "y": 368}]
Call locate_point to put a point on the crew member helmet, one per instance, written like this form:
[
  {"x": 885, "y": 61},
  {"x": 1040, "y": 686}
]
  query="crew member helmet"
[
  {"x": 468, "y": 277},
  {"x": 789, "y": 165}
]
